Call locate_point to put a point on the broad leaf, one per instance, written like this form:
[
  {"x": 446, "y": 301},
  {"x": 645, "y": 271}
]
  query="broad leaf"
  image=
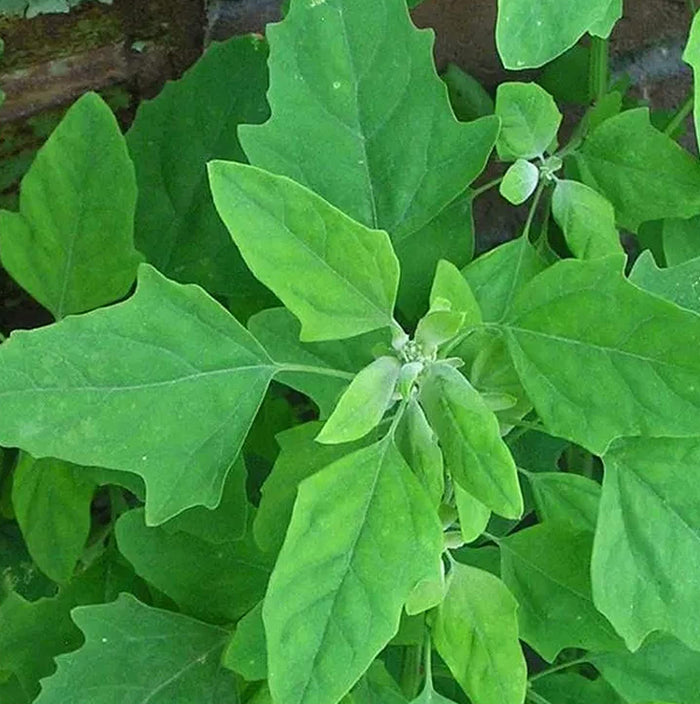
[
  {"x": 530, "y": 121},
  {"x": 190, "y": 122},
  {"x": 663, "y": 670},
  {"x": 647, "y": 544},
  {"x": 134, "y": 653},
  {"x": 215, "y": 582},
  {"x": 107, "y": 388},
  {"x": 681, "y": 240},
  {"x": 587, "y": 220},
  {"x": 639, "y": 349},
  {"x": 71, "y": 245},
  {"x": 566, "y": 498},
  {"x": 519, "y": 182},
  {"x": 626, "y": 158},
  {"x": 246, "y": 654},
  {"x": 473, "y": 515},
  {"x": 51, "y": 500},
  {"x": 680, "y": 284},
  {"x": 363, "y": 404},
  {"x": 497, "y": 276},
  {"x": 363, "y": 534},
  {"x": 546, "y": 567},
  {"x": 476, "y": 634},
  {"x": 530, "y": 34},
  {"x": 361, "y": 118},
  {"x": 337, "y": 276},
  {"x": 476, "y": 456},
  {"x": 570, "y": 688}
]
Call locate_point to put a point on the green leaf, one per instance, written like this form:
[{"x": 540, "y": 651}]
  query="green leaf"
[
  {"x": 691, "y": 56},
  {"x": 519, "y": 182},
  {"x": 468, "y": 98},
  {"x": 663, "y": 669},
  {"x": 134, "y": 653},
  {"x": 530, "y": 121},
  {"x": 377, "y": 686},
  {"x": 605, "y": 24},
  {"x": 418, "y": 445},
  {"x": 450, "y": 285},
  {"x": 337, "y": 276},
  {"x": 680, "y": 284},
  {"x": 430, "y": 696},
  {"x": 570, "y": 688},
  {"x": 246, "y": 654},
  {"x": 300, "y": 456},
  {"x": 214, "y": 582},
  {"x": 497, "y": 276},
  {"x": 363, "y": 404},
  {"x": 626, "y": 158},
  {"x": 476, "y": 634},
  {"x": 106, "y": 389},
  {"x": 224, "y": 523},
  {"x": 530, "y": 34},
  {"x": 190, "y": 122},
  {"x": 566, "y": 498},
  {"x": 361, "y": 118},
  {"x": 546, "y": 567},
  {"x": 681, "y": 240},
  {"x": 473, "y": 515},
  {"x": 71, "y": 245},
  {"x": 584, "y": 315},
  {"x": 476, "y": 456},
  {"x": 362, "y": 535},
  {"x": 647, "y": 539},
  {"x": 52, "y": 500},
  {"x": 587, "y": 220}
]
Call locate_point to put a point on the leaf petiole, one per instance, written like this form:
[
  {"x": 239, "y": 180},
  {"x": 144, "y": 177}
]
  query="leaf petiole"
[{"x": 557, "y": 668}]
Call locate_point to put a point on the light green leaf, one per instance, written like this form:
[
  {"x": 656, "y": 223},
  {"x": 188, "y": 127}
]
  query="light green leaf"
[
  {"x": 337, "y": 276},
  {"x": 224, "y": 523},
  {"x": 691, "y": 56},
  {"x": 584, "y": 315},
  {"x": 437, "y": 327},
  {"x": 626, "y": 158},
  {"x": 363, "y": 404},
  {"x": 190, "y": 122},
  {"x": 570, "y": 688},
  {"x": 362, "y": 535},
  {"x": 450, "y": 285},
  {"x": 71, "y": 245},
  {"x": 547, "y": 569},
  {"x": 300, "y": 456},
  {"x": 519, "y": 182},
  {"x": 530, "y": 34},
  {"x": 246, "y": 654},
  {"x": 681, "y": 240},
  {"x": 51, "y": 500},
  {"x": 361, "y": 118},
  {"x": 473, "y": 515},
  {"x": 214, "y": 582},
  {"x": 587, "y": 220},
  {"x": 604, "y": 26},
  {"x": 106, "y": 388},
  {"x": 497, "y": 276},
  {"x": 134, "y": 653},
  {"x": 646, "y": 559},
  {"x": 476, "y": 634},
  {"x": 476, "y": 456},
  {"x": 566, "y": 498},
  {"x": 680, "y": 284},
  {"x": 418, "y": 444},
  {"x": 530, "y": 121},
  {"x": 663, "y": 669}
]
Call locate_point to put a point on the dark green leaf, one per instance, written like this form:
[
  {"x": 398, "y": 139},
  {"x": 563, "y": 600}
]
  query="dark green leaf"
[
  {"x": 681, "y": 240},
  {"x": 566, "y": 498},
  {"x": 570, "y": 688},
  {"x": 468, "y": 98},
  {"x": 377, "y": 686}
]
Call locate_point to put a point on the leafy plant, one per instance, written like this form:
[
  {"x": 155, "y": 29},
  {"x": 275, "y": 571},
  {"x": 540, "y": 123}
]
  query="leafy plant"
[{"x": 411, "y": 476}]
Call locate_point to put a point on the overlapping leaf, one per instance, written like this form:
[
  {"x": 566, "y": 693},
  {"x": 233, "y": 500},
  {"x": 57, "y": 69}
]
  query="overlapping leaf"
[{"x": 680, "y": 284}]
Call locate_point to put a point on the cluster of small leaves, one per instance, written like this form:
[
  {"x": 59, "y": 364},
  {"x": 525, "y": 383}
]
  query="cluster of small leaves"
[
  {"x": 32, "y": 8},
  {"x": 410, "y": 477}
]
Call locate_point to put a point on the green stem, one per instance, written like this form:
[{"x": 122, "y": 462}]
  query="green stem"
[
  {"x": 691, "y": 6},
  {"x": 680, "y": 115},
  {"x": 537, "y": 698},
  {"x": 322, "y": 371},
  {"x": 557, "y": 668},
  {"x": 533, "y": 208},
  {"x": 599, "y": 68},
  {"x": 410, "y": 671},
  {"x": 492, "y": 537},
  {"x": 486, "y": 187},
  {"x": 529, "y": 425}
]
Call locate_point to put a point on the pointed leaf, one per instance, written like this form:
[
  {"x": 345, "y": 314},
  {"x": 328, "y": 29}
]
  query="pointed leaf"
[
  {"x": 450, "y": 284},
  {"x": 476, "y": 456},
  {"x": 587, "y": 220},
  {"x": 639, "y": 349},
  {"x": 680, "y": 284},
  {"x": 71, "y": 245},
  {"x": 363, "y": 534},
  {"x": 473, "y": 515},
  {"x": 337, "y": 276},
  {"x": 377, "y": 686},
  {"x": 476, "y": 634},
  {"x": 190, "y": 122},
  {"x": 134, "y": 653},
  {"x": 646, "y": 571},
  {"x": 363, "y": 404},
  {"x": 246, "y": 654},
  {"x": 106, "y": 388},
  {"x": 566, "y": 498},
  {"x": 519, "y": 182},
  {"x": 546, "y": 567}
]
